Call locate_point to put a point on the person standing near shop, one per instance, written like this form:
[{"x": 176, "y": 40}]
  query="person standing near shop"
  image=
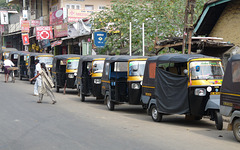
[
  {"x": 7, "y": 64},
  {"x": 38, "y": 79}
]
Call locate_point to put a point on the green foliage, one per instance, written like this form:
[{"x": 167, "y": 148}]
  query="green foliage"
[{"x": 162, "y": 19}]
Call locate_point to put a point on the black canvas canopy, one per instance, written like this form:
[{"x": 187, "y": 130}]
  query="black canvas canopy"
[
  {"x": 228, "y": 86},
  {"x": 122, "y": 58},
  {"x": 171, "y": 92},
  {"x": 178, "y": 58},
  {"x": 39, "y": 54}
]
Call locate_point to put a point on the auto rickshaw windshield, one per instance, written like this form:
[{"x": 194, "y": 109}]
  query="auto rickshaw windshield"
[
  {"x": 46, "y": 60},
  {"x": 72, "y": 64},
  {"x": 98, "y": 66},
  {"x": 136, "y": 68},
  {"x": 201, "y": 70}
]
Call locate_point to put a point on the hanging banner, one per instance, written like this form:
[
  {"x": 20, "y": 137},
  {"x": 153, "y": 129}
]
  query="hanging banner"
[
  {"x": 61, "y": 30},
  {"x": 1, "y": 29},
  {"x": 25, "y": 38},
  {"x": 25, "y": 25},
  {"x": 35, "y": 23},
  {"x": 44, "y": 43},
  {"x": 74, "y": 15},
  {"x": 4, "y": 17},
  {"x": 44, "y": 32},
  {"x": 56, "y": 17}
]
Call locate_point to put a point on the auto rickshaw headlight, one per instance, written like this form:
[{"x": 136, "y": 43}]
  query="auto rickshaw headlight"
[
  {"x": 97, "y": 81},
  {"x": 135, "y": 86},
  {"x": 209, "y": 89},
  {"x": 70, "y": 75},
  {"x": 200, "y": 92}
]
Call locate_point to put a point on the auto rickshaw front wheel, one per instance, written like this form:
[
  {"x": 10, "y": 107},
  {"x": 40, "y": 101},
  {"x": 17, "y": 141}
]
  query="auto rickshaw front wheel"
[
  {"x": 110, "y": 104},
  {"x": 82, "y": 97},
  {"x": 236, "y": 129},
  {"x": 218, "y": 120},
  {"x": 156, "y": 116},
  {"x": 57, "y": 89}
]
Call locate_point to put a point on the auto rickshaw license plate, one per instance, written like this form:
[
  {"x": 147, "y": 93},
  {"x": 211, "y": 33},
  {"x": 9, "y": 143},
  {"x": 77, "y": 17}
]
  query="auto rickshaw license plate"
[{"x": 215, "y": 93}]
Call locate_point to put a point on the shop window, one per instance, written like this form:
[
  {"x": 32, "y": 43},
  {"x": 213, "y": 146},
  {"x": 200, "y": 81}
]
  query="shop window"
[{"x": 89, "y": 7}]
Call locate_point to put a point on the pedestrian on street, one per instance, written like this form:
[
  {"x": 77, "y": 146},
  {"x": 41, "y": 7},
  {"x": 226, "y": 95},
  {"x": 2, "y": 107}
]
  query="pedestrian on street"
[
  {"x": 38, "y": 79},
  {"x": 7, "y": 64},
  {"x": 46, "y": 84}
]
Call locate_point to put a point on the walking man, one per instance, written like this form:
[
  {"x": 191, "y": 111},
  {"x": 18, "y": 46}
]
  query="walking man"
[{"x": 38, "y": 79}]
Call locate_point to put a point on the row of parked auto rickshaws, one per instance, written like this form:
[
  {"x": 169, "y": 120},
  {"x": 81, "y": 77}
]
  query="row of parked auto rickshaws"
[{"x": 164, "y": 85}]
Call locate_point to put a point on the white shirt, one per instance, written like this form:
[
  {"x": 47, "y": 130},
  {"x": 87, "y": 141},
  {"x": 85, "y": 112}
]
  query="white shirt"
[
  {"x": 8, "y": 62},
  {"x": 38, "y": 69}
]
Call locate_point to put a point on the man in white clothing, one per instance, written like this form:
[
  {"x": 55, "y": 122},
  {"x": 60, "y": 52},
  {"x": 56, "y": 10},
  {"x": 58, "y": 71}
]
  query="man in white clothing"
[
  {"x": 38, "y": 81},
  {"x": 7, "y": 64}
]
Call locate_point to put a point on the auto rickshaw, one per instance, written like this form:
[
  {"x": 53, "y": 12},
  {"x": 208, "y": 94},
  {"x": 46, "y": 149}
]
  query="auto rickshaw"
[
  {"x": 89, "y": 76},
  {"x": 5, "y": 54},
  {"x": 230, "y": 95},
  {"x": 121, "y": 80},
  {"x": 183, "y": 84},
  {"x": 64, "y": 71},
  {"x": 13, "y": 56},
  {"x": 22, "y": 64},
  {"x": 43, "y": 58}
]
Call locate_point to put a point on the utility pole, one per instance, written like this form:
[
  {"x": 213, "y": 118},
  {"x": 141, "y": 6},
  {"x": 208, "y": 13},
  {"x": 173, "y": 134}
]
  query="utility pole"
[{"x": 188, "y": 25}]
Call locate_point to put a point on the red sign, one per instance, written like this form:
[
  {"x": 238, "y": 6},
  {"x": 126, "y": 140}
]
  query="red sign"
[
  {"x": 44, "y": 32},
  {"x": 35, "y": 23},
  {"x": 56, "y": 17},
  {"x": 56, "y": 43},
  {"x": 25, "y": 25},
  {"x": 1, "y": 28},
  {"x": 75, "y": 14},
  {"x": 25, "y": 38},
  {"x": 61, "y": 30}
]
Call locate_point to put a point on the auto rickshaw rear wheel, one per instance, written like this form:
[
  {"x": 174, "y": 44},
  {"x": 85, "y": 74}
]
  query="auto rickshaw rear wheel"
[
  {"x": 110, "y": 104},
  {"x": 236, "y": 129},
  {"x": 156, "y": 116},
  {"x": 218, "y": 120}
]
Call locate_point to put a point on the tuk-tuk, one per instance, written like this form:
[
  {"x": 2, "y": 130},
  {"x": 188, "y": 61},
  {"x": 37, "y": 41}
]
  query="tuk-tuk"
[
  {"x": 89, "y": 76},
  {"x": 183, "y": 84},
  {"x": 13, "y": 56},
  {"x": 230, "y": 95},
  {"x": 43, "y": 58},
  {"x": 5, "y": 54},
  {"x": 64, "y": 71},
  {"x": 22, "y": 64},
  {"x": 121, "y": 80}
]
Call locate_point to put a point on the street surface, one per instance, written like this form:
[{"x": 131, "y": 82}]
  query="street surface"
[{"x": 74, "y": 125}]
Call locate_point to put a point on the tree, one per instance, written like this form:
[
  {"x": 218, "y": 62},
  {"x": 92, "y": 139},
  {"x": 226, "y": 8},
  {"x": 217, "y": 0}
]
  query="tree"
[{"x": 162, "y": 19}]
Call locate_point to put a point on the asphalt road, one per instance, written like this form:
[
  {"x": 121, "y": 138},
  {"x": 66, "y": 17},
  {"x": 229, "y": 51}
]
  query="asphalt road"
[{"x": 74, "y": 125}]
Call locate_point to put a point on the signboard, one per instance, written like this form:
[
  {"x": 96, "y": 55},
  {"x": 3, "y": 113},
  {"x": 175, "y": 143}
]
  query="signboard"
[
  {"x": 25, "y": 25},
  {"x": 56, "y": 17},
  {"x": 4, "y": 17},
  {"x": 35, "y": 23},
  {"x": 25, "y": 14},
  {"x": 1, "y": 29},
  {"x": 99, "y": 38},
  {"x": 25, "y": 38},
  {"x": 61, "y": 30},
  {"x": 75, "y": 14},
  {"x": 56, "y": 43},
  {"x": 44, "y": 32},
  {"x": 44, "y": 43}
]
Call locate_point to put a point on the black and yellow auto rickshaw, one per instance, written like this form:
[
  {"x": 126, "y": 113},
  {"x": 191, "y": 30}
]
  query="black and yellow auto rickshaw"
[
  {"x": 121, "y": 80},
  {"x": 64, "y": 71},
  {"x": 5, "y": 54},
  {"x": 89, "y": 76},
  {"x": 183, "y": 84},
  {"x": 13, "y": 56},
  {"x": 230, "y": 95},
  {"x": 43, "y": 58},
  {"x": 22, "y": 64}
]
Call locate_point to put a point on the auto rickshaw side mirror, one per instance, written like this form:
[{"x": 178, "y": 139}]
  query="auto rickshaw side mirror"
[
  {"x": 185, "y": 71},
  {"x": 135, "y": 67}
]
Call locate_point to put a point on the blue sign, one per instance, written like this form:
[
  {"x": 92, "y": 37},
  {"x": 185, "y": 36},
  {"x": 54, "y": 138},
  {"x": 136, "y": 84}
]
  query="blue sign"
[{"x": 100, "y": 38}]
